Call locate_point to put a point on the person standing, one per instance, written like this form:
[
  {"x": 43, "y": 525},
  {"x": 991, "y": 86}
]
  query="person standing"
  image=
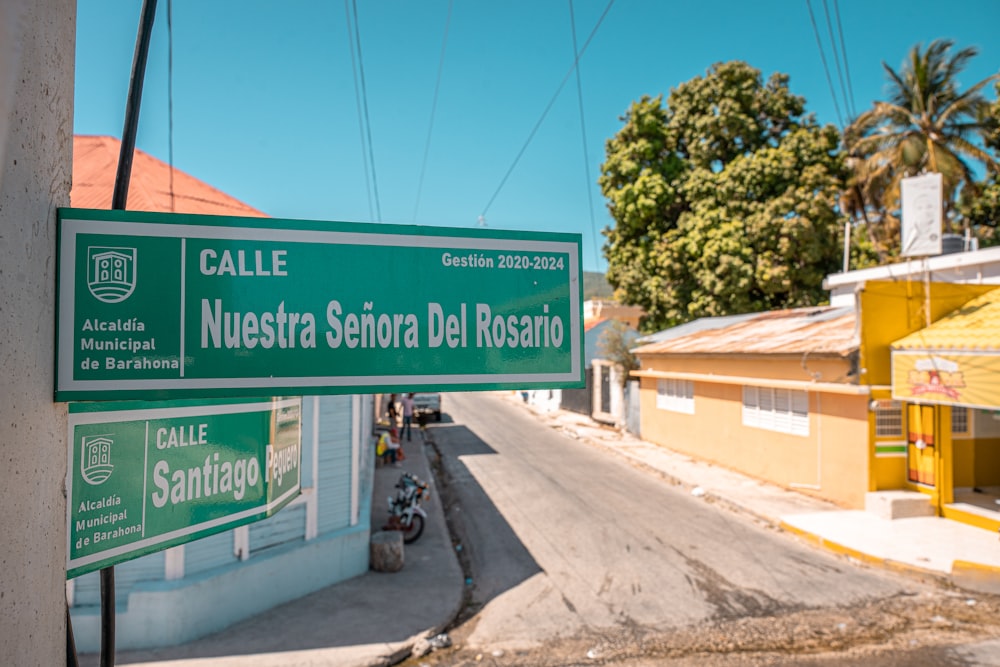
[
  {"x": 391, "y": 412},
  {"x": 408, "y": 416}
]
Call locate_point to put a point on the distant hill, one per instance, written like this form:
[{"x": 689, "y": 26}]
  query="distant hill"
[{"x": 595, "y": 286}]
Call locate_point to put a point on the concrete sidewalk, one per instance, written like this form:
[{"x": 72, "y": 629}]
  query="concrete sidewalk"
[
  {"x": 931, "y": 547},
  {"x": 368, "y": 621}
]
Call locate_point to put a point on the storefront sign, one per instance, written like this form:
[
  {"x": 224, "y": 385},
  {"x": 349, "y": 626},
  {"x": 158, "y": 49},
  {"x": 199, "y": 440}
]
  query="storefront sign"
[
  {"x": 948, "y": 378},
  {"x": 156, "y": 305},
  {"x": 143, "y": 477}
]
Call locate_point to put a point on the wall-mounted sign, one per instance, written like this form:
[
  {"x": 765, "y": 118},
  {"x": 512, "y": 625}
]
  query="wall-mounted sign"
[
  {"x": 946, "y": 378},
  {"x": 155, "y": 305},
  {"x": 144, "y": 477},
  {"x": 920, "y": 228}
]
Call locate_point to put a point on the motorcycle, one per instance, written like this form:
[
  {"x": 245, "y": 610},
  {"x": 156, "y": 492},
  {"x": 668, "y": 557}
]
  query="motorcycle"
[{"x": 405, "y": 513}]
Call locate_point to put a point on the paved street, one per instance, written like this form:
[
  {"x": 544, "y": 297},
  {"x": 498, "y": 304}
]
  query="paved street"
[{"x": 565, "y": 539}]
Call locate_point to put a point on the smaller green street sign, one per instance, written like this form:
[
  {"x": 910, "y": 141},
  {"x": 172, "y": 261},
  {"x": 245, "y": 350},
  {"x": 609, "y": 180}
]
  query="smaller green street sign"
[
  {"x": 158, "y": 305},
  {"x": 147, "y": 476}
]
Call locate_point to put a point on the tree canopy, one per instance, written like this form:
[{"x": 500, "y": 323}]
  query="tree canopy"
[
  {"x": 927, "y": 124},
  {"x": 724, "y": 199}
]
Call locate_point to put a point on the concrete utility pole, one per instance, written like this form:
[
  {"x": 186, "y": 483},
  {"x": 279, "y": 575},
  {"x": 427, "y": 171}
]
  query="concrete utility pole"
[{"x": 36, "y": 100}]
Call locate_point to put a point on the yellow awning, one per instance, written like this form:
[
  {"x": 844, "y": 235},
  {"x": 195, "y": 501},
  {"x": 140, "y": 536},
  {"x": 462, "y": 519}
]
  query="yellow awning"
[
  {"x": 954, "y": 361},
  {"x": 973, "y": 327}
]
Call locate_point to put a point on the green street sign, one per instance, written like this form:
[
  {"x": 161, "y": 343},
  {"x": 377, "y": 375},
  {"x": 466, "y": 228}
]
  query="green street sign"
[
  {"x": 155, "y": 305},
  {"x": 147, "y": 476}
]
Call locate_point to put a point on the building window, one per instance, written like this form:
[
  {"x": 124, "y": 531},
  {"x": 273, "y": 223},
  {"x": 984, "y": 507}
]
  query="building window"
[
  {"x": 888, "y": 419},
  {"x": 782, "y": 410},
  {"x": 675, "y": 395},
  {"x": 959, "y": 420}
]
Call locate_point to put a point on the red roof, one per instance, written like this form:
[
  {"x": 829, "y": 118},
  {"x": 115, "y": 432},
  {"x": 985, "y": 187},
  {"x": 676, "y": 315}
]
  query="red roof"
[{"x": 95, "y": 162}]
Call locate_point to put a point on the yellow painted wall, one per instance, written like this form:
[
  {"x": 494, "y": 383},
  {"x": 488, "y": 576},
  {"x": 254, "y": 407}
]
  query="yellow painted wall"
[
  {"x": 964, "y": 462},
  {"x": 887, "y": 472},
  {"x": 833, "y": 456},
  {"x": 893, "y": 309},
  {"x": 987, "y": 460}
]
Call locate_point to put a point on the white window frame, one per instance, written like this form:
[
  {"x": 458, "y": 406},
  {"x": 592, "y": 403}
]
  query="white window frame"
[
  {"x": 776, "y": 409},
  {"x": 675, "y": 395},
  {"x": 961, "y": 416}
]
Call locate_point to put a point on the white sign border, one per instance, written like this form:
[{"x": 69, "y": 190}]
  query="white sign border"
[{"x": 71, "y": 227}]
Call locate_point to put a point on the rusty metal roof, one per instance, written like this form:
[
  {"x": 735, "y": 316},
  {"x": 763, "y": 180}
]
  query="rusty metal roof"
[
  {"x": 95, "y": 161},
  {"x": 818, "y": 330}
]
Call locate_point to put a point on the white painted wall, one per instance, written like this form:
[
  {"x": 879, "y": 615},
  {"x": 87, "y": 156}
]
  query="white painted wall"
[{"x": 34, "y": 179}]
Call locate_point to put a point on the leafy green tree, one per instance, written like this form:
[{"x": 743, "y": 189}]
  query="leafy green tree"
[
  {"x": 724, "y": 200},
  {"x": 616, "y": 344},
  {"x": 927, "y": 125},
  {"x": 980, "y": 206}
]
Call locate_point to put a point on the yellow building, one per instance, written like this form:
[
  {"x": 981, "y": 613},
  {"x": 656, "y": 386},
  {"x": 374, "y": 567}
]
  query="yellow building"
[
  {"x": 932, "y": 356},
  {"x": 829, "y": 400}
]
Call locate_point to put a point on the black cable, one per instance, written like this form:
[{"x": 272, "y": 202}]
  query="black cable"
[
  {"x": 170, "y": 97},
  {"x": 836, "y": 58},
  {"x": 364, "y": 99},
  {"x": 430, "y": 126},
  {"x": 826, "y": 68},
  {"x": 357, "y": 104},
  {"x": 548, "y": 107},
  {"x": 843, "y": 50},
  {"x": 583, "y": 135}
]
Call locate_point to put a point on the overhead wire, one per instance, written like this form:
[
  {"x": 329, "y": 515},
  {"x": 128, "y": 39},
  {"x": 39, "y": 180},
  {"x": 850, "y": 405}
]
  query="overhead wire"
[
  {"x": 170, "y": 98},
  {"x": 843, "y": 51},
  {"x": 545, "y": 112},
  {"x": 362, "y": 112},
  {"x": 826, "y": 68},
  {"x": 583, "y": 135},
  {"x": 430, "y": 125},
  {"x": 836, "y": 60}
]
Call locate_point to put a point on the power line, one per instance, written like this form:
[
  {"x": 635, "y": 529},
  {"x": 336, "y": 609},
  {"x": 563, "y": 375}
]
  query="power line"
[
  {"x": 583, "y": 136},
  {"x": 843, "y": 50},
  {"x": 364, "y": 99},
  {"x": 836, "y": 59},
  {"x": 170, "y": 97},
  {"x": 360, "y": 94},
  {"x": 826, "y": 68},
  {"x": 430, "y": 126},
  {"x": 545, "y": 112},
  {"x": 357, "y": 104}
]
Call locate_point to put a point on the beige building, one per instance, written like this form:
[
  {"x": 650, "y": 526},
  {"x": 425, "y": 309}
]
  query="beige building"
[{"x": 774, "y": 395}]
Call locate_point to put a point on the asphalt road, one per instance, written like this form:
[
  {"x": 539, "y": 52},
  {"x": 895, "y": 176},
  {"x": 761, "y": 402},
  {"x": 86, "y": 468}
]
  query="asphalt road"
[{"x": 565, "y": 539}]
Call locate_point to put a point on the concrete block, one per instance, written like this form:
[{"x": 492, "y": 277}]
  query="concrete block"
[{"x": 898, "y": 504}]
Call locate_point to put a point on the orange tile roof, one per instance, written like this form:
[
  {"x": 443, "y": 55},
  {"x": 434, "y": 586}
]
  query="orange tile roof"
[
  {"x": 95, "y": 161},
  {"x": 821, "y": 330}
]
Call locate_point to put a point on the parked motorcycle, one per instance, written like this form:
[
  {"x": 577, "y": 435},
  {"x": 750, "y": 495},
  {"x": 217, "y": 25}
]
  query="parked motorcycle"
[{"x": 405, "y": 512}]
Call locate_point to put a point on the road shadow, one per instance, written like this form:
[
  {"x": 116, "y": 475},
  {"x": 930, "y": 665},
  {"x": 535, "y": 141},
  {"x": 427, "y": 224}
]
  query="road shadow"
[{"x": 493, "y": 558}]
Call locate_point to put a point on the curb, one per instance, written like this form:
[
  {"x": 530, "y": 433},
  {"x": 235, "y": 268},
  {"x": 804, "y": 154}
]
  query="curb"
[{"x": 405, "y": 648}]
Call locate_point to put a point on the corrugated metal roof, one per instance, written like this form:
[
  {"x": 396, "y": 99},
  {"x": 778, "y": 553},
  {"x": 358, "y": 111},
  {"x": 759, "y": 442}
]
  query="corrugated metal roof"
[
  {"x": 973, "y": 327},
  {"x": 820, "y": 330},
  {"x": 95, "y": 161},
  {"x": 701, "y": 324}
]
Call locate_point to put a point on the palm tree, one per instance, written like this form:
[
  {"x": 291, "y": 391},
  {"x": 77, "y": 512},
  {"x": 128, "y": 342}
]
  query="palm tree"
[{"x": 927, "y": 125}]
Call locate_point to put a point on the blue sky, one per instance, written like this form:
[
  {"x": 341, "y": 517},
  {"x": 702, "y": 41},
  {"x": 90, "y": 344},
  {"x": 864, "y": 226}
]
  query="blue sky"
[{"x": 265, "y": 109}]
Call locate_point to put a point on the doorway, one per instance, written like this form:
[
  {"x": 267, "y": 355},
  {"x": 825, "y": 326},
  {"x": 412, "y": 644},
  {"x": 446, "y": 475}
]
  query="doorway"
[{"x": 920, "y": 445}]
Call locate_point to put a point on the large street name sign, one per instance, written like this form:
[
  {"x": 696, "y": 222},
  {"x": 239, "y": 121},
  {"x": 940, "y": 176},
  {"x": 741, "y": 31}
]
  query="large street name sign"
[
  {"x": 154, "y": 305},
  {"x": 144, "y": 477}
]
